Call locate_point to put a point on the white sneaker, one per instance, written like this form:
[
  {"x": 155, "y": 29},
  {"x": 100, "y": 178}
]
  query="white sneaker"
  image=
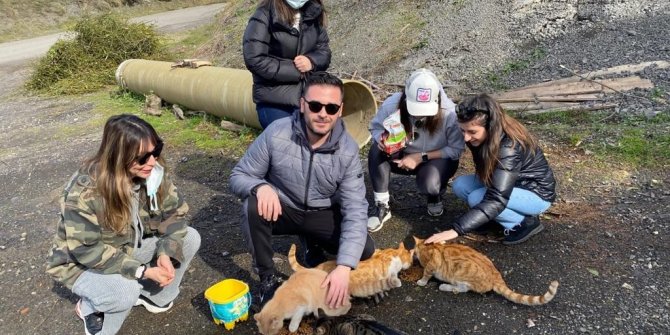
[{"x": 151, "y": 307}]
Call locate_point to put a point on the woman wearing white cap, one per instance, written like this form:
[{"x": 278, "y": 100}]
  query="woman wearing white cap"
[{"x": 433, "y": 145}]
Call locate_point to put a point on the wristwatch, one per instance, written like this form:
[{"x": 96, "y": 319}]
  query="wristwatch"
[
  {"x": 139, "y": 273},
  {"x": 424, "y": 157}
]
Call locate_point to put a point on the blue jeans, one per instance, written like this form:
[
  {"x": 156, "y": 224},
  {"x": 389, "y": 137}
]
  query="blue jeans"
[
  {"x": 521, "y": 203},
  {"x": 268, "y": 113}
]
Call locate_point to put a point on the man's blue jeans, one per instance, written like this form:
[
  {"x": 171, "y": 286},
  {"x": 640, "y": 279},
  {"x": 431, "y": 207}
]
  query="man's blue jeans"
[
  {"x": 268, "y": 113},
  {"x": 521, "y": 203}
]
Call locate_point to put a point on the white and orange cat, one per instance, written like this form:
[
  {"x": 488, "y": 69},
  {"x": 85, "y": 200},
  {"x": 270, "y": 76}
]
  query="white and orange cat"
[
  {"x": 465, "y": 269},
  {"x": 373, "y": 276},
  {"x": 298, "y": 296}
]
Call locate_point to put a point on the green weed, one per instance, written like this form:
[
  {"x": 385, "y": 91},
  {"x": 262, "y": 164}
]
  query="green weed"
[{"x": 88, "y": 61}]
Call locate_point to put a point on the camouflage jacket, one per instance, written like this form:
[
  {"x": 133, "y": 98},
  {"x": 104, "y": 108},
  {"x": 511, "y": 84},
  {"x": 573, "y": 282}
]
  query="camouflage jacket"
[{"x": 81, "y": 243}]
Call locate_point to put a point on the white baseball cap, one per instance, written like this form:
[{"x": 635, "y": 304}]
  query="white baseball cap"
[{"x": 422, "y": 89}]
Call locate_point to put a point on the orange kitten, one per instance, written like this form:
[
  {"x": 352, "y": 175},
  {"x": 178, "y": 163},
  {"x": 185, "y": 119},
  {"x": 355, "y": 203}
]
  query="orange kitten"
[
  {"x": 465, "y": 269},
  {"x": 373, "y": 276},
  {"x": 300, "y": 295}
]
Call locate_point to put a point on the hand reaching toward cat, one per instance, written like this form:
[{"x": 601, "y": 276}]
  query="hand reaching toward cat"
[
  {"x": 338, "y": 292},
  {"x": 269, "y": 207},
  {"x": 442, "y": 237}
]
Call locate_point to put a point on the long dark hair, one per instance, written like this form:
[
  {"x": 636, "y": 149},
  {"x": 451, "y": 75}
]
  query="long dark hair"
[
  {"x": 286, "y": 13},
  {"x": 122, "y": 139},
  {"x": 432, "y": 123},
  {"x": 488, "y": 113}
]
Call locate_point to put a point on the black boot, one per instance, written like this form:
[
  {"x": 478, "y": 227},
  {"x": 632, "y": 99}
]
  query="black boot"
[{"x": 530, "y": 226}]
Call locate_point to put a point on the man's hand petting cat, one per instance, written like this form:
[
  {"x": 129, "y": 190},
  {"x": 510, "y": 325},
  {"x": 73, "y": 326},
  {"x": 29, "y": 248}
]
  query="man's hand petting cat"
[
  {"x": 338, "y": 292},
  {"x": 269, "y": 206},
  {"x": 442, "y": 237}
]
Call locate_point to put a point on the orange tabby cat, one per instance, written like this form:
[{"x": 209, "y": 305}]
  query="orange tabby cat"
[
  {"x": 298, "y": 296},
  {"x": 373, "y": 276},
  {"x": 466, "y": 269}
]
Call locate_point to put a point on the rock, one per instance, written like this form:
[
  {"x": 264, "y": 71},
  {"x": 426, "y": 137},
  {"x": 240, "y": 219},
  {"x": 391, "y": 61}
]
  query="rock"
[
  {"x": 227, "y": 125},
  {"x": 178, "y": 112},
  {"x": 152, "y": 105}
]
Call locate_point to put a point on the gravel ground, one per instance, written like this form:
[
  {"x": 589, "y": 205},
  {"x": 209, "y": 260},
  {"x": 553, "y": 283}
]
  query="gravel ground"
[{"x": 606, "y": 239}]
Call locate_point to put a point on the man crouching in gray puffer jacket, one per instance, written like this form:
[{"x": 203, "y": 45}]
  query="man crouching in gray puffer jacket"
[{"x": 303, "y": 176}]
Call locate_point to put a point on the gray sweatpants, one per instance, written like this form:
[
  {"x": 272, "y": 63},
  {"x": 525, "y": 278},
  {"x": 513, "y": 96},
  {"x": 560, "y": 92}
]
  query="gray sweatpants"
[{"x": 114, "y": 295}]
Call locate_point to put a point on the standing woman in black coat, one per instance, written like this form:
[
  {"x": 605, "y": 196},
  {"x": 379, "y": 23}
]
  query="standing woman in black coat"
[
  {"x": 513, "y": 182},
  {"x": 284, "y": 41}
]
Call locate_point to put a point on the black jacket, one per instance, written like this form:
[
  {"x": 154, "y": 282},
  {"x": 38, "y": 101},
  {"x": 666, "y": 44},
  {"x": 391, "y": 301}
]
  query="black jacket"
[
  {"x": 270, "y": 46},
  {"x": 516, "y": 168}
]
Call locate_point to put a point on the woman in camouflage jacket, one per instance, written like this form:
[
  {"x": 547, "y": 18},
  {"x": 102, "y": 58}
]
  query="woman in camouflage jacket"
[{"x": 122, "y": 239}]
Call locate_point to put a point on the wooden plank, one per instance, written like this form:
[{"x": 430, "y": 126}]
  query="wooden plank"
[
  {"x": 584, "y": 108},
  {"x": 630, "y": 68},
  {"x": 584, "y": 87},
  {"x": 526, "y": 106},
  {"x": 558, "y": 98}
]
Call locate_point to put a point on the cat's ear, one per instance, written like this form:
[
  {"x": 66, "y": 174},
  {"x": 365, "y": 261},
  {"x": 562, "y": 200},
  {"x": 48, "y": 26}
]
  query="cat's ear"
[
  {"x": 402, "y": 245},
  {"x": 257, "y": 316}
]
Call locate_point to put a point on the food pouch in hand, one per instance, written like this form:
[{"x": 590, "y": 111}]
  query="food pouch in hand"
[{"x": 395, "y": 134}]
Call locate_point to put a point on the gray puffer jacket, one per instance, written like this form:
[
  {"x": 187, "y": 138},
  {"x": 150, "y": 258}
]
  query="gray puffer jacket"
[{"x": 309, "y": 179}]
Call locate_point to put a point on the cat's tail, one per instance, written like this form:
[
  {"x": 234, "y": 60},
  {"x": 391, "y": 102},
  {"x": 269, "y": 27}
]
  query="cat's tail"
[
  {"x": 292, "y": 260},
  {"x": 530, "y": 300}
]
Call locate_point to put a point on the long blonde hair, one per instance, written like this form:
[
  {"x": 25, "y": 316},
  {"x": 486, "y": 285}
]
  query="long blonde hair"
[
  {"x": 488, "y": 113},
  {"x": 109, "y": 168}
]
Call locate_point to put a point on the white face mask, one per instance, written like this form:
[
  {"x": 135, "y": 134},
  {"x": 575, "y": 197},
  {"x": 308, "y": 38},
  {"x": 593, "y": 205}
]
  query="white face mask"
[
  {"x": 153, "y": 182},
  {"x": 296, "y": 4}
]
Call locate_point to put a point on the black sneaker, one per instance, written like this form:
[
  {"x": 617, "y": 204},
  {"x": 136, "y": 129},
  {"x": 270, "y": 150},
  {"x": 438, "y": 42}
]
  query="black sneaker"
[
  {"x": 380, "y": 214},
  {"x": 151, "y": 307},
  {"x": 92, "y": 322},
  {"x": 266, "y": 291},
  {"x": 530, "y": 226},
  {"x": 435, "y": 206}
]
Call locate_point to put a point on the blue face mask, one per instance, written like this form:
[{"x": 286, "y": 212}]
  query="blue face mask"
[{"x": 296, "y": 4}]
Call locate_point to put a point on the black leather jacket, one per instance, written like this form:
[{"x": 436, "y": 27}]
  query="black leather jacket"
[
  {"x": 516, "y": 168},
  {"x": 270, "y": 46}
]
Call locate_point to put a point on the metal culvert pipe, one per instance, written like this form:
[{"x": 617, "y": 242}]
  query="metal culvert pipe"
[{"x": 226, "y": 92}]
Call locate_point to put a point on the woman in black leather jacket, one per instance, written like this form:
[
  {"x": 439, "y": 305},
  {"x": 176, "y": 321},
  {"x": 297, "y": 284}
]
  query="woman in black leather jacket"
[
  {"x": 513, "y": 182},
  {"x": 284, "y": 41}
]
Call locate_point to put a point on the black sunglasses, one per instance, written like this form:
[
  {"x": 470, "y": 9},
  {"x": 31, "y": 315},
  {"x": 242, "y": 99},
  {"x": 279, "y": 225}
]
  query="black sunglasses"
[
  {"x": 316, "y": 107},
  {"x": 141, "y": 160}
]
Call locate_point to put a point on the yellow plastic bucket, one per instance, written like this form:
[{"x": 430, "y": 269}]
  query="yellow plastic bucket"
[{"x": 229, "y": 301}]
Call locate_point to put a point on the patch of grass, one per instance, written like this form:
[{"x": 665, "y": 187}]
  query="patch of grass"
[
  {"x": 199, "y": 130},
  {"x": 88, "y": 61},
  {"x": 634, "y": 140},
  {"x": 495, "y": 78},
  {"x": 225, "y": 46}
]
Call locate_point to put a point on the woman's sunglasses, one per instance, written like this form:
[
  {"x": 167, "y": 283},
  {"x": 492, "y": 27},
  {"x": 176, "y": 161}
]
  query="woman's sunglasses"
[
  {"x": 316, "y": 107},
  {"x": 141, "y": 160}
]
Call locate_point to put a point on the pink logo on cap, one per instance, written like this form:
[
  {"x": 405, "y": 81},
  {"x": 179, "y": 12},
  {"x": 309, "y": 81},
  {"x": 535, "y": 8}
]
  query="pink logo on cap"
[{"x": 423, "y": 95}]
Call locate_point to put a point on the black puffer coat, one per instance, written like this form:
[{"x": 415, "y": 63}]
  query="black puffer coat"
[
  {"x": 516, "y": 168},
  {"x": 270, "y": 46}
]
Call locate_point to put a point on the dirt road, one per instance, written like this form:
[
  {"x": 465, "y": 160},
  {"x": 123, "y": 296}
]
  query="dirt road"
[{"x": 16, "y": 52}]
